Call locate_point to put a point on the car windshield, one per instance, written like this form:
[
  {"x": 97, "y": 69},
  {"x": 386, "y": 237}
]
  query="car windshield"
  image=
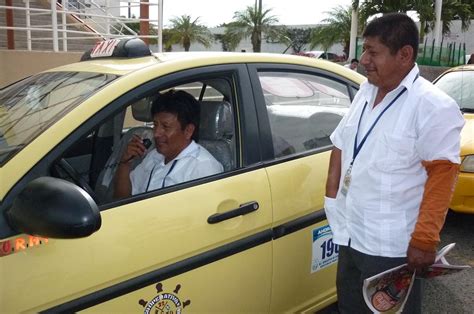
[
  {"x": 459, "y": 85},
  {"x": 30, "y": 106}
]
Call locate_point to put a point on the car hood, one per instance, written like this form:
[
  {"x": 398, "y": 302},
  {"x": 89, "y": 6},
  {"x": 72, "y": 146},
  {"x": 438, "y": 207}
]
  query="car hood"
[{"x": 467, "y": 135}]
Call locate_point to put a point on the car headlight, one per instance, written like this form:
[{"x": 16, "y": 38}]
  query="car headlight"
[{"x": 467, "y": 164}]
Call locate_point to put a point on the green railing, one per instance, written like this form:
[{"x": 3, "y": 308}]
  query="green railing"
[{"x": 449, "y": 54}]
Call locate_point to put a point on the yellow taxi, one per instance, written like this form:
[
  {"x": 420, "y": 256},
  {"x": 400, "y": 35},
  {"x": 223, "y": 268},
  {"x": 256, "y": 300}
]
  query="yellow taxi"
[
  {"x": 253, "y": 238},
  {"x": 458, "y": 82}
]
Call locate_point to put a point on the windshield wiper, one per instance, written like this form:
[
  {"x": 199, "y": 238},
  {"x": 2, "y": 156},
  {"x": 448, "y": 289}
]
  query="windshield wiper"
[{"x": 468, "y": 110}]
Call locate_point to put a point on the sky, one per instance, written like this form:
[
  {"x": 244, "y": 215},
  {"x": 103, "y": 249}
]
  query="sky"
[{"x": 214, "y": 12}]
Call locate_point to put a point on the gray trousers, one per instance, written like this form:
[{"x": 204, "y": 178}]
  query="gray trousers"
[{"x": 353, "y": 267}]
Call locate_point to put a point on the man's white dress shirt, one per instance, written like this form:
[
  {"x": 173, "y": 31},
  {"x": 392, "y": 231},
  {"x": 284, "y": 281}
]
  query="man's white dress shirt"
[
  {"x": 381, "y": 208},
  {"x": 192, "y": 163}
]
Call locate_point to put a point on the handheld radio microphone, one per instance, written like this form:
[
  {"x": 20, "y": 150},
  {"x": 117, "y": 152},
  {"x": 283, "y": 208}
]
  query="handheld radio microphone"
[{"x": 146, "y": 142}]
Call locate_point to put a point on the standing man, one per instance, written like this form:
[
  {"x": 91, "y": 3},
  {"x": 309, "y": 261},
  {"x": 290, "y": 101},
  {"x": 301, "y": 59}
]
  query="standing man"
[{"x": 394, "y": 165}]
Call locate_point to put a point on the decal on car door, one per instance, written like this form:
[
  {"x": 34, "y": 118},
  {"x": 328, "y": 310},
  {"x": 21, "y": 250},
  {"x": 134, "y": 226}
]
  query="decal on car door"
[
  {"x": 164, "y": 302},
  {"x": 325, "y": 252},
  {"x": 20, "y": 243}
]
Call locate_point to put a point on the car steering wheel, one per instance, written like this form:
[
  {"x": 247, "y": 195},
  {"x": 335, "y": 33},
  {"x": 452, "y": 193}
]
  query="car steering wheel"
[{"x": 65, "y": 166}]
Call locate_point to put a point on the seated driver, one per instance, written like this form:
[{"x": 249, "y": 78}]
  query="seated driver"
[{"x": 177, "y": 157}]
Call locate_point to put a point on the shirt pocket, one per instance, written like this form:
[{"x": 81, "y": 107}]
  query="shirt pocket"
[{"x": 395, "y": 152}]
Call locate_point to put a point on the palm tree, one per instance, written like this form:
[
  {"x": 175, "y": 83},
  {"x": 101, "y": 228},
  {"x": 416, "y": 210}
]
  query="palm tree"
[
  {"x": 229, "y": 41},
  {"x": 167, "y": 37},
  {"x": 186, "y": 32},
  {"x": 252, "y": 22},
  {"x": 336, "y": 29}
]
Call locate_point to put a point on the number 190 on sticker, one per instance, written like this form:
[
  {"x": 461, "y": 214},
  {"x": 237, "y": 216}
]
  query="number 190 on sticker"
[
  {"x": 328, "y": 248},
  {"x": 324, "y": 251}
]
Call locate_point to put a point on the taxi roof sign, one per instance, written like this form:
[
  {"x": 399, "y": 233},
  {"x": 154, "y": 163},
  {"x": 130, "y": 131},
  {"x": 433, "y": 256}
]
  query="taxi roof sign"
[{"x": 118, "y": 48}]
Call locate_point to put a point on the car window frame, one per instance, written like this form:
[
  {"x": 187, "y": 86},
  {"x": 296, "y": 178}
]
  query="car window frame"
[{"x": 268, "y": 155}]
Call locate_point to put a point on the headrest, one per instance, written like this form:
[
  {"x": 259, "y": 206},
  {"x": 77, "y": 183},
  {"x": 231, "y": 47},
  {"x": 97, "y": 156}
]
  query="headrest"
[
  {"x": 141, "y": 110},
  {"x": 216, "y": 120}
]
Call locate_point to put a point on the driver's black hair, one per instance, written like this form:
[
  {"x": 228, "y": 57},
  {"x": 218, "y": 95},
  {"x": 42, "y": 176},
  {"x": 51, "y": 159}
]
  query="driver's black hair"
[{"x": 182, "y": 104}]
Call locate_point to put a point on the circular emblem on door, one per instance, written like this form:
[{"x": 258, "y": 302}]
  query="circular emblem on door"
[{"x": 164, "y": 302}]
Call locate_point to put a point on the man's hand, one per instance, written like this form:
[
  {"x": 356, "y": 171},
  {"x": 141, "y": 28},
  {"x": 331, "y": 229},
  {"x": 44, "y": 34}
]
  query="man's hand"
[
  {"x": 419, "y": 260},
  {"x": 123, "y": 185},
  {"x": 134, "y": 149}
]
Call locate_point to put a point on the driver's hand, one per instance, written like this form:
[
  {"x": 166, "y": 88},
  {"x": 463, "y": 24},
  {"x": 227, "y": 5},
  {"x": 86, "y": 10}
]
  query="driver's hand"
[{"x": 134, "y": 149}]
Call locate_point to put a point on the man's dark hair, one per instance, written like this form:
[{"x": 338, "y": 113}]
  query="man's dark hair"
[
  {"x": 354, "y": 60},
  {"x": 394, "y": 30},
  {"x": 182, "y": 104}
]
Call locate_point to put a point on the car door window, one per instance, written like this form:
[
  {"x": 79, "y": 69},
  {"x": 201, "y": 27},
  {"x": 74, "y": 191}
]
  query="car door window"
[
  {"x": 216, "y": 134},
  {"x": 303, "y": 109}
]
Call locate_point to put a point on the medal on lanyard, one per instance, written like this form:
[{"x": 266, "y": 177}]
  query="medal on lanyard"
[{"x": 346, "y": 181}]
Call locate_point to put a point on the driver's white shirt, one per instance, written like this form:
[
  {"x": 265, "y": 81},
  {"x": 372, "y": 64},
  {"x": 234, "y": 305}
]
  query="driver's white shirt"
[
  {"x": 192, "y": 163},
  {"x": 381, "y": 208}
]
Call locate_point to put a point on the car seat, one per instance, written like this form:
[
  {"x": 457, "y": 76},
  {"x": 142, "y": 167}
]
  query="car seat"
[
  {"x": 216, "y": 131},
  {"x": 322, "y": 125}
]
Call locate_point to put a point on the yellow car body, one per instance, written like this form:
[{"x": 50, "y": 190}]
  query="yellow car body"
[
  {"x": 159, "y": 251},
  {"x": 457, "y": 82}
]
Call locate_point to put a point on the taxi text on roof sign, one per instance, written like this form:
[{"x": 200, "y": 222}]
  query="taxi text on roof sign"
[{"x": 104, "y": 48}]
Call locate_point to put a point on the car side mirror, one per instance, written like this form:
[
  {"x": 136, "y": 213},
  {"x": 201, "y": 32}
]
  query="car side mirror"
[{"x": 54, "y": 208}]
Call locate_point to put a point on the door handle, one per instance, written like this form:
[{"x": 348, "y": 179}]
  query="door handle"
[{"x": 242, "y": 210}]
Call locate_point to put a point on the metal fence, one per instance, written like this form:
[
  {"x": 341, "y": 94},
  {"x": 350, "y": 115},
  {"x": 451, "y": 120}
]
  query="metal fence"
[
  {"x": 450, "y": 54},
  {"x": 73, "y": 20}
]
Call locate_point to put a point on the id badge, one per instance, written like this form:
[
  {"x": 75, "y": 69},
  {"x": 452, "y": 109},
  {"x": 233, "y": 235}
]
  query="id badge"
[{"x": 346, "y": 182}]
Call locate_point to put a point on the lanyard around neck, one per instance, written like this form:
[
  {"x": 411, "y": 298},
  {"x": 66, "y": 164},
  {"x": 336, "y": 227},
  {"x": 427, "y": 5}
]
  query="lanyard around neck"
[
  {"x": 169, "y": 171},
  {"x": 164, "y": 179}
]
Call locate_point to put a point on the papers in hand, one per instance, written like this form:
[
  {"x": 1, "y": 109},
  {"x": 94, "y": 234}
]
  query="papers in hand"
[{"x": 388, "y": 291}]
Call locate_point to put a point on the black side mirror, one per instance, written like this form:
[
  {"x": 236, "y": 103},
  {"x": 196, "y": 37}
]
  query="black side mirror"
[{"x": 54, "y": 208}]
